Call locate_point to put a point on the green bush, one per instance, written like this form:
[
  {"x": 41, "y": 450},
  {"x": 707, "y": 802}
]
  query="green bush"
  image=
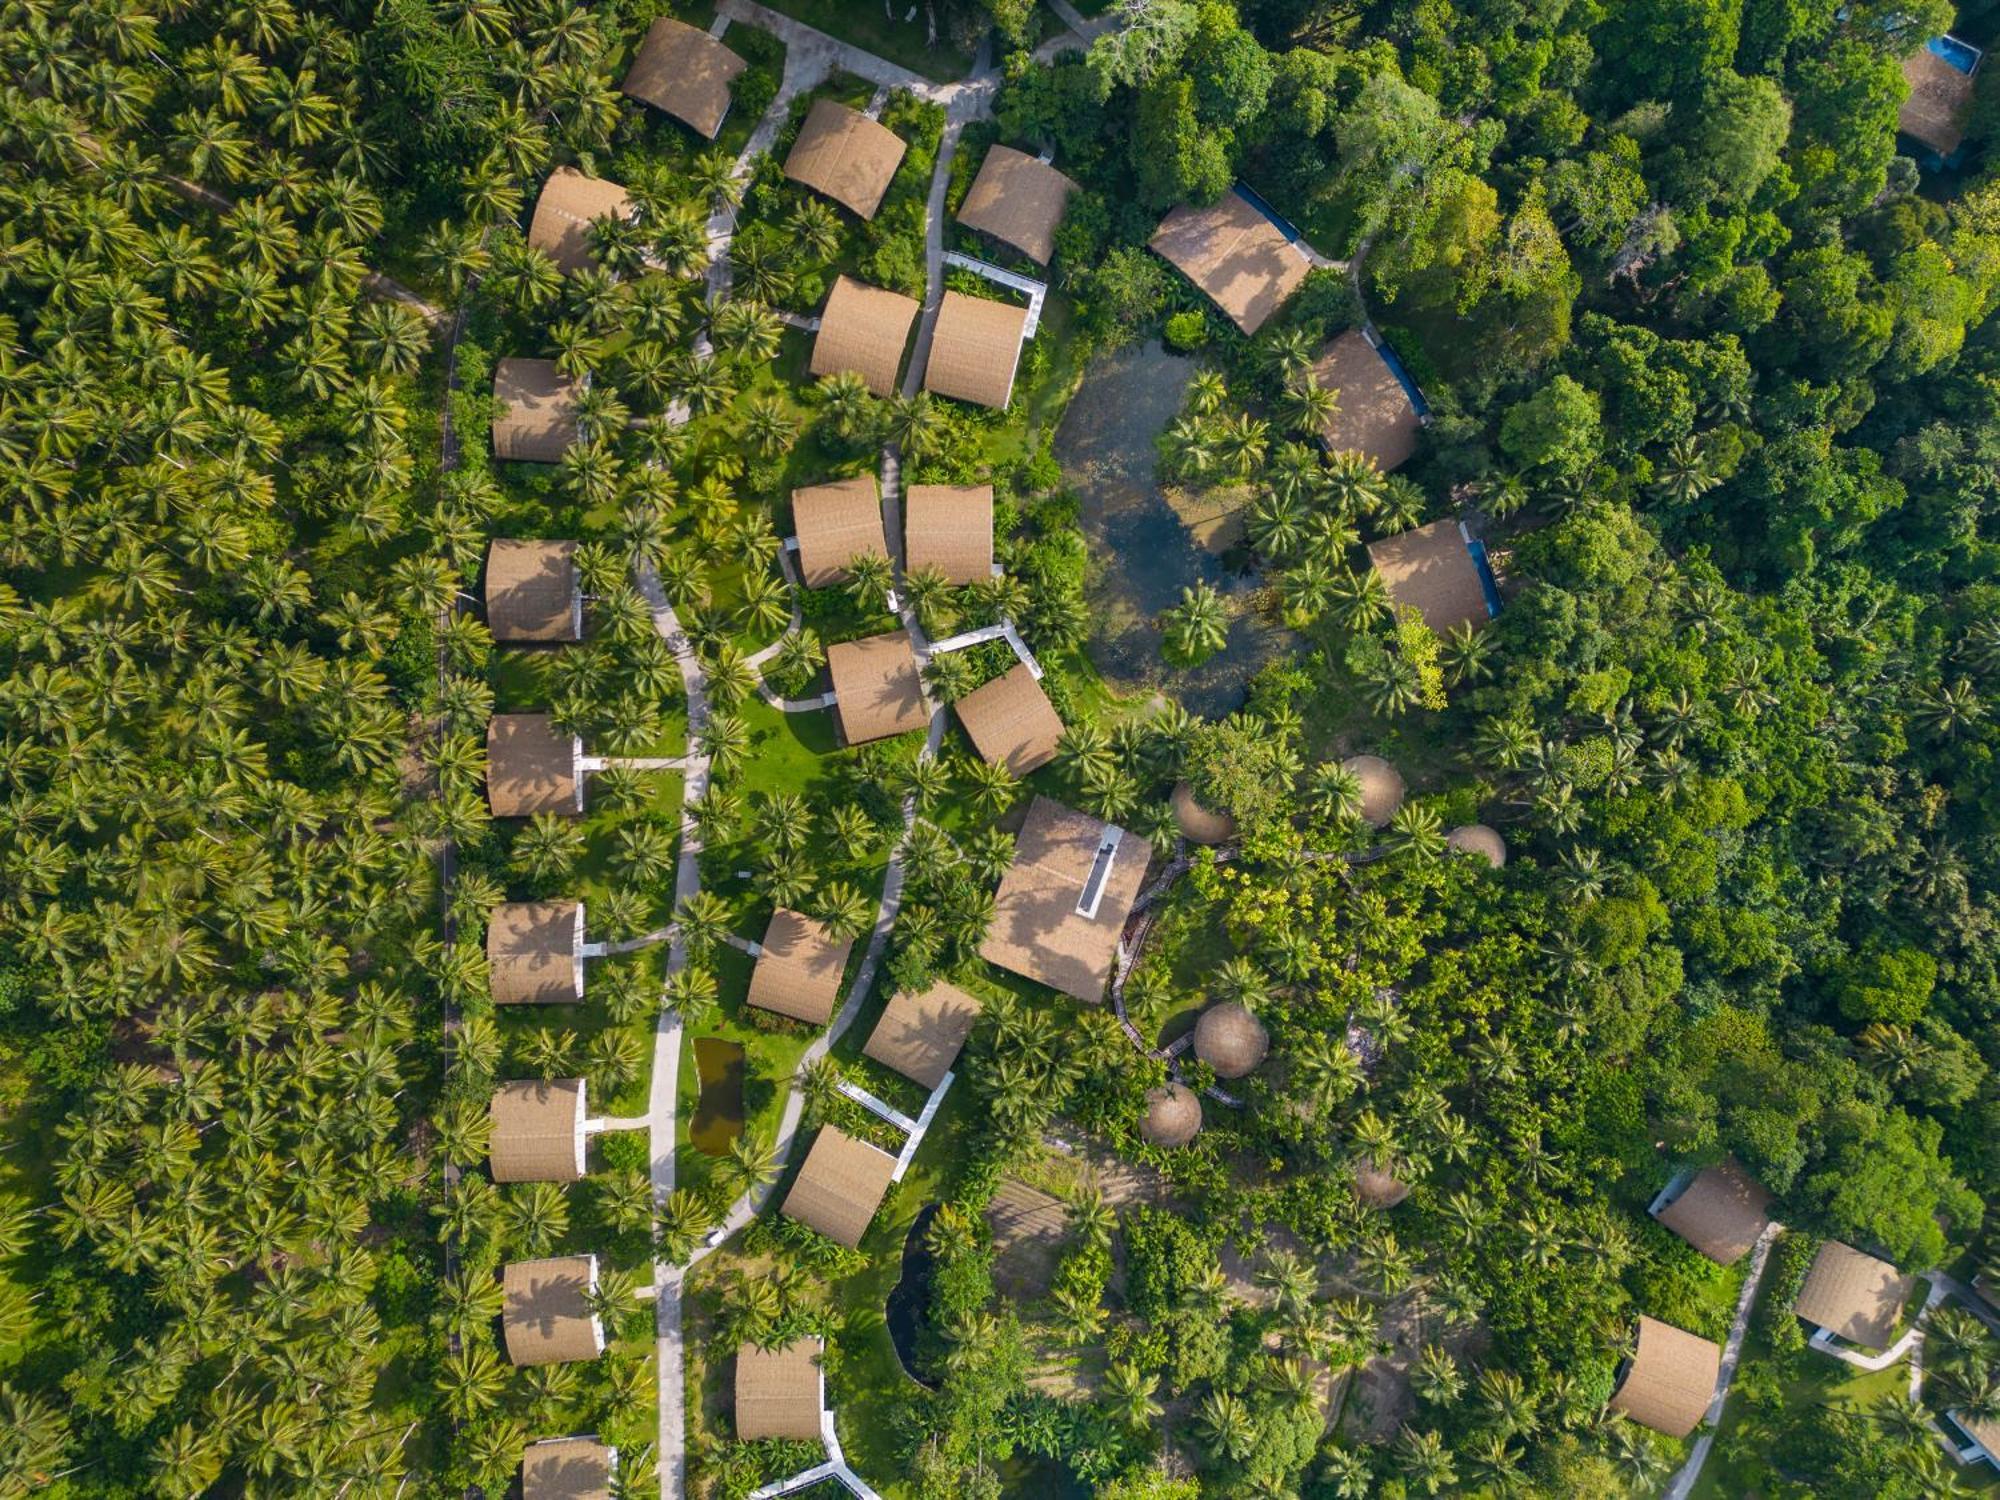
[{"x": 1187, "y": 331}]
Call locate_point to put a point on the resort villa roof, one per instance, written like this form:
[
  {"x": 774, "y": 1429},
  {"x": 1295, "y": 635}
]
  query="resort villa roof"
[
  {"x": 532, "y": 767},
  {"x": 537, "y": 423},
  {"x": 1720, "y": 1212},
  {"x": 949, "y": 527},
  {"x": 1062, "y": 905},
  {"x": 1377, "y": 1187},
  {"x": 845, "y": 155},
  {"x": 1173, "y": 1116},
  {"x": 920, "y": 1035},
  {"x": 1375, "y": 415},
  {"x": 684, "y": 71},
  {"x": 1011, "y": 721},
  {"x": 546, "y": 1314},
  {"x": 835, "y": 523},
  {"x": 534, "y": 952},
  {"x": 1853, "y": 1295},
  {"x": 779, "y": 1392},
  {"x": 1381, "y": 788},
  {"x": 975, "y": 346},
  {"x": 1670, "y": 1380},
  {"x": 840, "y": 1186},
  {"x": 1019, "y": 201},
  {"x": 570, "y": 203},
  {"x": 1940, "y": 96},
  {"x": 577, "y": 1468},
  {"x": 798, "y": 972},
  {"x": 1234, "y": 255},
  {"x": 1477, "y": 838},
  {"x": 877, "y": 690},
  {"x": 1197, "y": 823},
  {"x": 533, "y": 592},
  {"x": 1431, "y": 569},
  {"x": 537, "y": 1131},
  {"x": 1985, "y": 1434},
  {"x": 863, "y": 328},
  {"x": 1230, "y": 1040}
]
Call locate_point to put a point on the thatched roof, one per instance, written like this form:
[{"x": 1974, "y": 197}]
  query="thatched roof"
[
  {"x": 532, "y": 592},
  {"x": 975, "y": 346},
  {"x": 876, "y": 686},
  {"x": 847, "y": 156},
  {"x": 1983, "y": 1431},
  {"x": 1477, "y": 838},
  {"x": 920, "y": 1035},
  {"x": 837, "y": 522},
  {"x": 534, "y": 952},
  {"x": 532, "y": 766},
  {"x": 798, "y": 973},
  {"x": 1011, "y": 721},
  {"x": 1670, "y": 1380},
  {"x": 1375, "y": 415},
  {"x": 949, "y": 527},
  {"x": 1173, "y": 1116},
  {"x": 1062, "y": 905},
  {"x": 546, "y": 1314},
  {"x": 1230, "y": 1040},
  {"x": 1019, "y": 201},
  {"x": 537, "y": 1131},
  {"x": 578, "y": 1468},
  {"x": 570, "y": 203},
  {"x": 684, "y": 71},
  {"x": 779, "y": 1392},
  {"x": 1234, "y": 255},
  {"x": 1375, "y": 1187},
  {"x": 1721, "y": 1213},
  {"x": 1854, "y": 1295},
  {"x": 1381, "y": 788},
  {"x": 863, "y": 328},
  {"x": 840, "y": 1186},
  {"x": 1198, "y": 823},
  {"x": 1431, "y": 570},
  {"x": 1940, "y": 98},
  {"x": 538, "y": 422}
]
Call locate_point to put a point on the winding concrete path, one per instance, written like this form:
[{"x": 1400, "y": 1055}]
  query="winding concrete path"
[{"x": 1732, "y": 1353}]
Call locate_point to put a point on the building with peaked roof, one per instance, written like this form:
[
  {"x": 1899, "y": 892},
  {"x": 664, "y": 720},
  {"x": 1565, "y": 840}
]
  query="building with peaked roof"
[
  {"x": 1235, "y": 255},
  {"x": 780, "y": 1392},
  {"x": 1231, "y": 1040},
  {"x": 1669, "y": 1380},
  {"x": 546, "y": 1315},
  {"x": 949, "y": 527},
  {"x": 877, "y": 690},
  {"x": 537, "y": 1131},
  {"x": 683, "y": 71},
  {"x": 1433, "y": 570},
  {"x": 532, "y": 767},
  {"x": 920, "y": 1035},
  {"x": 1940, "y": 78},
  {"x": 537, "y": 422},
  {"x": 533, "y": 592},
  {"x": 569, "y": 204},
  {"x": 1477, "y": 838},
  {"x": 799, "y": 969},
  {"x": 840, "y": 1186},
  {"x": 1375, "y": 416},
  {"x": 863, "y": 328},
  {"x": 534, "y": 952},
  {"x": 1719, "y": 1210},
  {"x": 1199, "y": 824},
  {"x": 573, "y": 1468},
  {"x": 1381, "y": 788},
  {"x": 975, "y": 347},
  {"x": 846, "y": 156},
  {"x": 1062, "y": 904},
  {"x": 1173, "y": 1116},
  {"x": 1017, "y": 200},
  {"x": 1011, "y": 721},
  {"x": 835, "y": 523},
  {"x": 1853, "y": 1296},
  {"x": 1983, "y": 1435}
]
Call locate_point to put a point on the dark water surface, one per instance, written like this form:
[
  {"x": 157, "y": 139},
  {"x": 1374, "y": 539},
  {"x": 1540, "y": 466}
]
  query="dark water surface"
[
  {"x": 910, "y": 1300},
  {"x": 718, "y": 1118}
]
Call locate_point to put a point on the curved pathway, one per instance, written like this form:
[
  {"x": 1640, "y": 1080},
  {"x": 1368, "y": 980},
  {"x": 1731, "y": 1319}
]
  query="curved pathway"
[{"x": 1732, "y": 1351}]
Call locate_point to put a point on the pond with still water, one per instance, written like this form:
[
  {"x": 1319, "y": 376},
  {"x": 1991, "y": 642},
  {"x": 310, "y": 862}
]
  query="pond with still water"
[
  {"x": 718, "y": 1118},
  {"x": 911, "y": 1297}
]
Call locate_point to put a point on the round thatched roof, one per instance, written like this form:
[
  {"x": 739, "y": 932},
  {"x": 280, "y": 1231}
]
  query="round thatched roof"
[
  {"x": 1381, "y": 788},
  {"x": 1477, "y": 838},
  {"x": 1173, "y": 1115},
  {"x": 1230, "y": 1040},
  {"x": 1197, "y": 822},
  {"x": 1375, "y": 1188}
]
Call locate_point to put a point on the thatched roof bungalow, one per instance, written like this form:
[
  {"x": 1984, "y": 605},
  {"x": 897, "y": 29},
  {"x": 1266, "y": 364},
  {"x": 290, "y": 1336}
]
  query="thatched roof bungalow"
[
  {"x": 1432, "y": 570},
  {"x": 1720, "y": 1211},
  {"x": 799, "y": 969},
  {"x": 780, "y": 1392},
  {"x": 864, "y": 329},
  {"x": 1011, "y": 722},
  {"x": 537, "y": 421},
  {"x": 975, "y": 348},
  {"x": 569, "y": 204},
  {"x": 1231, "y": 1040},
  {"x": 533, "y": 592},
  {"x": 683, "y": 71},
  {"x": 1375, "y": 416},
  {"x": 840, "y": 1186},
  {"x": 1018, "y": 201},
  {"x": 546, "y": 1315},
  {"x": 1173, "y": 1116},
  {"x": 1381, "y": 788},
  {"x": 1853, "y": 1296},
  {"x": 573, "y": 1468},
  {"x": 532, "y": 767},
  {"x": 534, "y": 952},
  {"x": 1062, "y": 905},
  {"x": 537, "y": 1131},
  {"x": 949, "y": 527},
  {"x": 877, "y": 690},
  {"x": 1669, "y": 1380},
  {"x": 846, "y": 156},
  {"x": 920, "y": 1035},
  {"x": 1235, "y": 255}
]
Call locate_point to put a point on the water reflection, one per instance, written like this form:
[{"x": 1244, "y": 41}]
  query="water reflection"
[{"x": 718, "y": 1118}]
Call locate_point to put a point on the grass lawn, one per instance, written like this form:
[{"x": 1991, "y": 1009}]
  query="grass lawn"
[{"x": 900, "y": 41}]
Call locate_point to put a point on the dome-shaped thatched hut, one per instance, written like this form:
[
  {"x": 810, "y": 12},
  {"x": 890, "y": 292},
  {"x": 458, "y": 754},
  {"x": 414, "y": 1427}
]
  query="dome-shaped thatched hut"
[
  {"x": 1375, "y": 1188},
  {"x": 1477, "y": 838},
  {"x": 1230, "y": 1040},
  {"x": 1173, "y": 1116},
  {"x": 1381, "y": 788},
  {"x": 1197, "y": 823}
]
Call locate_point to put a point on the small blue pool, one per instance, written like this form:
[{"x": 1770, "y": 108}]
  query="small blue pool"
[
  {"x": 1284, "y": 225},
  {"x": 1491, "y": 589},
  {"x": 1961, "y": 55},
  {"x": 1403, "y": 378}
]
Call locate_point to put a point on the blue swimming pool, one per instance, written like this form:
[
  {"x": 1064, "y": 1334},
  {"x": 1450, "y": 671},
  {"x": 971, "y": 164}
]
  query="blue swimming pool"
[
  {"x": 1491, "y": 589},
  {"x": 1256, "y": 200},
  {"x": 1403, "y": 378},
  {"x": 1961, "y": 55}
]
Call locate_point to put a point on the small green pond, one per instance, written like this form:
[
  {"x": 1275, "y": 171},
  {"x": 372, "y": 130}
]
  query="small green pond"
[{"x": 718, "y": 1117}]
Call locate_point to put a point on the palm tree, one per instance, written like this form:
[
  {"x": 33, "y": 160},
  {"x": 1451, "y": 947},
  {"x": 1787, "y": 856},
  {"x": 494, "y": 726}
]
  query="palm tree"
[
  {"x": 843, "y": 910},
  {"x": 1426, "y": 1464},
  {"x": 845, "y": 403},
  {"x": 1198, "y": 626},
  {"x": 749, "y": 1165},
  {"x": 1360, "y": 600},
  {"x": 1291, "y": 1281},
  {"x": 1417, "y": 829},
  {"x": 1310, "y": 406},
  {"x": 869, "y": 580},
  {"x": 1131, "y": 1389},
  {"x": 1225, "y": 1425},
  {"x": 915, "y": 424},
  {"x": 1682, "y": 473},
  {"x": 814, "y": 229}
]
